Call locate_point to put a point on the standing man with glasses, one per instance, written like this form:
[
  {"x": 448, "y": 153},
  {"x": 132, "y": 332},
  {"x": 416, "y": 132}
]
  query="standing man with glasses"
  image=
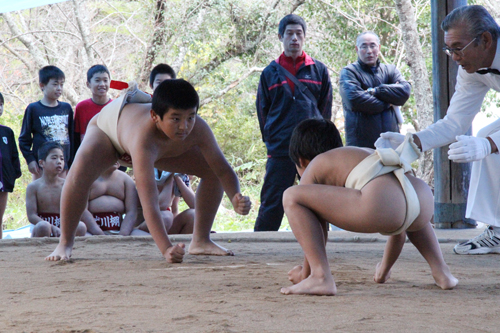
[
  {"x": 471, "y": 37},
  {"x": 371, "y": 94}
]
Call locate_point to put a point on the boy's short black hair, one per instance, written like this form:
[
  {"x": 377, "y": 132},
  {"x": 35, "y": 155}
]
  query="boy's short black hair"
[
  {"x": 176, "y": 94},
  {"x": 97, "y": 69},
  {"x": 313, "y": 137},
  {"x": 2, "y": 101},
  {"x": 50, "y": 72},
  {"x": 291, "y": 19},
  {"x": 45, "y": 149},
  {"x": 161, "y": 69}
]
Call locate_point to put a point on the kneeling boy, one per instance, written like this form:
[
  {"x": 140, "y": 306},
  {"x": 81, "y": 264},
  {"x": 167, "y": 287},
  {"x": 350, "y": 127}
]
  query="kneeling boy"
[
  {"x": 43, "y": 196},
  {"x": 166, "y": 134},
  {"x": 361, "y": 192}
]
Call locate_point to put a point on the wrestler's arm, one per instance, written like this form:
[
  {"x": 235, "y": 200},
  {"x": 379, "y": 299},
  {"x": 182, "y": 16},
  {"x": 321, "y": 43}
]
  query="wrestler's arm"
[
  {"x": 144, "y": 155},
  {"x": 165, "y": 195},
  {"x": 219, "y": 165},
  {"x": 131, "y": 206},
  {"x": 186, "y": 192},
  {"x": 92, "y": 226},
  {"x": 31, "y": 203}
]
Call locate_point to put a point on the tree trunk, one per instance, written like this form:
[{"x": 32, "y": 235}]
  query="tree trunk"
[
  {"x": 422, "y": 88},
  {"x": 156, "y": 42}
]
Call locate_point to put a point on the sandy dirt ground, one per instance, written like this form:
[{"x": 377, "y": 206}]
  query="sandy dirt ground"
[{"x": 123, "y": 285}]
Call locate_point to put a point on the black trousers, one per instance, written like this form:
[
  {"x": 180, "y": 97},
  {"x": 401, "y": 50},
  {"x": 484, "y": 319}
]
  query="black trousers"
[{"x": 280, "y": 175}]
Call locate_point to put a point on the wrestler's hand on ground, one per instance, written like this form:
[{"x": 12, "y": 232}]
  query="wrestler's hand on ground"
[
  {"x": 175, "y": 253},
  {"x": 241, "y": 204},
  {"x": 389, "y": 140},
  {"x": 56, "y": 232},
  {"x": 469, "y": 149}
]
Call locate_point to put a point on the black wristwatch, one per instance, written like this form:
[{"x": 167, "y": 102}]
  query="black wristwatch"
[{"x": 371, "y": 91}]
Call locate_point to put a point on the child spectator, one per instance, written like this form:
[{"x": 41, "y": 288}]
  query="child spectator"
[
  {"x": 160, "y": 73},
  {"x": 47, "y": 120},
  {"x": 111, "y": 196},
  {"x": 171, "y": 187},
  {"x": 98, "y": 81},
  {"x": 339, "y": 187},
  {"x": 43, "y": 196},
  {"x": 9, "y": 162},
  {"x": 167, "y": 134}
]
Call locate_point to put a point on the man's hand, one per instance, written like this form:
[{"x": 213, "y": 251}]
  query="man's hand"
[
  {"x": 33, "y": 168},
  {"x": 241, "y": 204},
  {"x": 389, "y": 140},
  {"x": 55, "y": 231},
  {"x": 469, "y": 149},
  {"x": 175, "y": 253}
]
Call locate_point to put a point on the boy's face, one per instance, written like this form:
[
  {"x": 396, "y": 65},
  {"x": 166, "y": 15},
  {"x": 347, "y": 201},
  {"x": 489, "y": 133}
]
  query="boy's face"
[
  {"x": 176, "y": 123},
  {"x": 53, "y": 90},
  {"x": 159, "y": 78},
  {"x": 54, "y": 163},
  {"x": 99, "y": 84}
]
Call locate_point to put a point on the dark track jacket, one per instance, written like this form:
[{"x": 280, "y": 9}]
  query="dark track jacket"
[
  {"x": 367, "y": 116},
  {"x": 9, "y": 160},
  {"x": 279, "y": 110}
]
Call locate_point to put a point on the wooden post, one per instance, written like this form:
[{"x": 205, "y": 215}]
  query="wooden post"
[{"x": 451, "y": 180}]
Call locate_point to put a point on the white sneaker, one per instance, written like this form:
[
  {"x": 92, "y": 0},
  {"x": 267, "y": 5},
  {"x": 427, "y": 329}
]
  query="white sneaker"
[{"x": 487, "y": 242}]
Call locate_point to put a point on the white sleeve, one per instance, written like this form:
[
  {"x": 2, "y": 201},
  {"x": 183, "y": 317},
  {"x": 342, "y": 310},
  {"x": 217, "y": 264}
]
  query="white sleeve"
[{"x": 464, "y": 105}]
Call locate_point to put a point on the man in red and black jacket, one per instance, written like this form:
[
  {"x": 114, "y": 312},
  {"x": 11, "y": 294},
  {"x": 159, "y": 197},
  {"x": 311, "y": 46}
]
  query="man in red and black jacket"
[{"x": 281, "y": 105}]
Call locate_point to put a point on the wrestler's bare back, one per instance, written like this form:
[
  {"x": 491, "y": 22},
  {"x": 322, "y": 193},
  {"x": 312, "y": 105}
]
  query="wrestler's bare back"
[
  {"x": 333, "y": 168},
  {"x": 136, "y": 118}
]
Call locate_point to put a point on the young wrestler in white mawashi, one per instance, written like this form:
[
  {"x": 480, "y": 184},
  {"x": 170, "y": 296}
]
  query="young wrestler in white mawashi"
[{"x": 382, "y": 198}]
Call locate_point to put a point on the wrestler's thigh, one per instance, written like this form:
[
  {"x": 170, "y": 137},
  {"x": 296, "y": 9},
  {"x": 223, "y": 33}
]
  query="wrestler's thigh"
[
  {"x": 426, "y": 200},
  {"x": 95, "y": 155},
  {"x": 191, "y": 162},
  {"x": 373, "y": 209}
]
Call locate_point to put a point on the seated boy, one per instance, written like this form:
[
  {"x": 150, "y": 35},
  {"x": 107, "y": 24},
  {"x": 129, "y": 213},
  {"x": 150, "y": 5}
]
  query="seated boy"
[
  {"x": 111, "y": 196},
  {"x": 170, "y": 188},
  {"x": 333, "y": 189},
  {"x": 43, "y": 196},
  {"x": 166, "y": 134}
]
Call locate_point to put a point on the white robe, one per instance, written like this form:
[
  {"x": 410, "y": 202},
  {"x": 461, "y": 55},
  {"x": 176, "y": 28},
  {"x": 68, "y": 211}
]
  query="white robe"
[{"x": 483, "y": 202}]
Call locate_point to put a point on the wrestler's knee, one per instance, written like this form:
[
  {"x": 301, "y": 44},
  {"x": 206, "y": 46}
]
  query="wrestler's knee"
[
  {"x": 42, "y": 229},
  {"x": 290, "y": 197},
  {"x": 81, "y": 230}
]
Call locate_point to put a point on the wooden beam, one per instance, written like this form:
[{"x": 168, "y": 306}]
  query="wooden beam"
[{"x": 451, "y": 180}]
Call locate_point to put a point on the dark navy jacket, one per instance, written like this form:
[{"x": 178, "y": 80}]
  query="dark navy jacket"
[
  {"x": 9, "y": 160},
  {"x": 279, "y": 110},
  {"x": 367, "y": 116}
]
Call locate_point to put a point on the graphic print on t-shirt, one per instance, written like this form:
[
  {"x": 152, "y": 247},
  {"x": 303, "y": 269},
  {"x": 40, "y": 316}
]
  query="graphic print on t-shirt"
[{"x": 55, "y": 128}]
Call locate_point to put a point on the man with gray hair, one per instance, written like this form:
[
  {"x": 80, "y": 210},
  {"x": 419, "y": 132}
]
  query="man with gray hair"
[
  {"x": 471, "y": 37},
  {"x": 371, "y": 94}
]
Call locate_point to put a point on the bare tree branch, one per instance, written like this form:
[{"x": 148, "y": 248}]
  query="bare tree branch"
[
  {"x": 83, "y": 24},
  {"x": 233, "y": 85},
  {"x": 34, "y": 52}
]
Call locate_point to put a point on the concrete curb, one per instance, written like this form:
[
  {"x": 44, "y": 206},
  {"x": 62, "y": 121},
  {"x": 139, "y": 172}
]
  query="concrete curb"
[{"x": 443, "y": 235}]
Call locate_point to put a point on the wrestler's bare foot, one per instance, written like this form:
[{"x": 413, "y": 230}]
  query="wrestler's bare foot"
[
  {"x": 208, "y": 248},
  {"x": 445, "y": 279},
  {"x": 296, "y": 274},
  {"x": 62, "y": 252},
  {"x": 324, "y": 286},
  {"x": 381, "y": 276}
]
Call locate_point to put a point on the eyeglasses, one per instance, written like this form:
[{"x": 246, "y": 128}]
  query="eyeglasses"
[
  {"x": 365, "y": 47},
  {"x": 458, "y": 51}
]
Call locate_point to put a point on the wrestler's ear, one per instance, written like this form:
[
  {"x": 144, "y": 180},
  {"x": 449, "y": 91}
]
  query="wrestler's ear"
[
  {"x": 154, "y": 116},
  {"x": 304, "y": 162}
]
